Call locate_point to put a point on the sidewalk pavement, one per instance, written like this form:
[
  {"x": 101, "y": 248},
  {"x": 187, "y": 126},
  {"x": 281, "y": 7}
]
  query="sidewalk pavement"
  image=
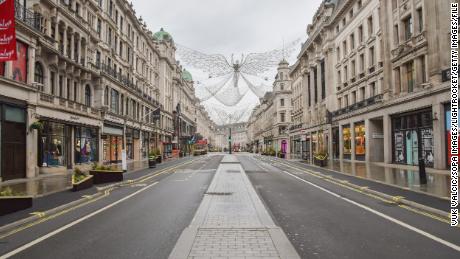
[
  {"x": 46, "y": 184},
  {"x": 404, "y": 176},
  {"x": 232, "y": 222}
]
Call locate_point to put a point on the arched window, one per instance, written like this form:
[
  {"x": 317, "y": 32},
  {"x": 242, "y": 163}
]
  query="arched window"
[
  {"x": 106, "y": 96},
  {"x": 87, "y": 95},
  {"x": 38, "y": 73}
]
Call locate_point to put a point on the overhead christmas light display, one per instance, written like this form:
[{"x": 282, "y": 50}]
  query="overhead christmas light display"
[{"x": 228, "y": 82}]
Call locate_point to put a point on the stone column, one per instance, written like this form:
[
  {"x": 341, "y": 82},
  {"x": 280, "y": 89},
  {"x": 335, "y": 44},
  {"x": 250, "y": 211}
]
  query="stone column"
[
  {"x": 31, "y": 144},
  {"x": 439, "y": 137},
  {"x": 318, "y": 83},
  {"x": 31, "y": 64},
  {"x": 367, "y": 130},
  {"x": 353, "y": 146},
  {"x": 387, "y": 139},
  {"x": 403, "y": 79},
  {"x": 341, "y": 142},
  {"x": 310, "y": 145},
  {"x": 312, "y": 87},
  {"x": 329, "y": 143},
  {"x": 72, "y": 46},
  {"x": 64, "y": 42}
]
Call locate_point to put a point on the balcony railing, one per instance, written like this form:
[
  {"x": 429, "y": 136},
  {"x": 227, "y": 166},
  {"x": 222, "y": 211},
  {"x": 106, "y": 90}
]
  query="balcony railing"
[
  {"x": 359, "y": 105},
  {"x": 31, "y": 19}
]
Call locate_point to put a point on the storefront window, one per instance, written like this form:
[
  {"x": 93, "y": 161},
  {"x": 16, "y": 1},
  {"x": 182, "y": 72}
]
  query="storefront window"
[
  {"x": 360, "y": 140},
  {"x": 85, "y": 145},
  {"x": 53, "y": 144},
  {"x": 346, "y": 140},
  {"x": 413, "y": 138}
]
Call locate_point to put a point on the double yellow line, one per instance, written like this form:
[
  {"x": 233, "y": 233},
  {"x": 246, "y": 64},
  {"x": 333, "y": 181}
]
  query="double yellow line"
[
  {"x": 43, "y": 217},
  {"x": 395, "y": 200}
]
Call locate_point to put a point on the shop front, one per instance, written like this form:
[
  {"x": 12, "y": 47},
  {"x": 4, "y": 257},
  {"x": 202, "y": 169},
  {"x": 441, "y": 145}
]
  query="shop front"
[
  {"x": 360, "y": 141},
  {"x": 145, "y": 144},
  {"x": 346, "y": 135},
  {"x": 55, "y": 147},
  {"x": 112, "y": 142},
  {"x": 86, "y": 145},
  {"x": 12, "y": 139},
  {"x": 413, "y": 138}
]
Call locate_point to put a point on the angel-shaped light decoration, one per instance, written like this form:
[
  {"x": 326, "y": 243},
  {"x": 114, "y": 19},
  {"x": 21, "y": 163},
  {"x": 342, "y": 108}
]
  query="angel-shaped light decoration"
[{"x": 228, "y": 89}]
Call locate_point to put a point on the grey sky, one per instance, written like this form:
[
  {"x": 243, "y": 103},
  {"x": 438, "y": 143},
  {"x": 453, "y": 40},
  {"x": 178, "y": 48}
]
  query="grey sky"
[{"x": 230, "y": 26}]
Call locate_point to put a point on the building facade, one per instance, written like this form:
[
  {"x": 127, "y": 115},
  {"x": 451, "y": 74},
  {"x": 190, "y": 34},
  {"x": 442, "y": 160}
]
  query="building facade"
[
  {"x": 88, "y": 81},
  {"x": 269, "y": 122},
  {"x": 371, "y": 83}
]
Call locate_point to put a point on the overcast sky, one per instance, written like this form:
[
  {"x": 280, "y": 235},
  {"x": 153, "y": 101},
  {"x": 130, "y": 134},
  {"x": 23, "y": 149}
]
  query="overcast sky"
[{"x": 229, "y": 26}]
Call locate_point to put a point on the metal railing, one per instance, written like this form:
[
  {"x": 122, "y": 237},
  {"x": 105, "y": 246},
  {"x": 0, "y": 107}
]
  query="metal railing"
[{"x": 30, "y": 18}]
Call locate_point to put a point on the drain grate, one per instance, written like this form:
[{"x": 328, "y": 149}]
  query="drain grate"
[
  {"x": 219, "y": 193},
  {"x": 233, "y": 171}
]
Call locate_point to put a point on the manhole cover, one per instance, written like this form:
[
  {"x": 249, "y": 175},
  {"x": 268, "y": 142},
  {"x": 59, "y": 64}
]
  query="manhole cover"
[{"x": 218, "y": 193}]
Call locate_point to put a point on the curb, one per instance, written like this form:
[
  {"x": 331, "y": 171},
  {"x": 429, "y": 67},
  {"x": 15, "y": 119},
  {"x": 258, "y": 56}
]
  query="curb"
[
  {"x": 395, "y": 199},
  {"x": 100, "y": 192},
  {"x": 63, "y": 207}
]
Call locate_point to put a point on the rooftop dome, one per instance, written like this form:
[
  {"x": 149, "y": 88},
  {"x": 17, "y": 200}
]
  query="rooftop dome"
[
  {"x": 162, "y": 35},
  {"x": 187, "y": 76}
]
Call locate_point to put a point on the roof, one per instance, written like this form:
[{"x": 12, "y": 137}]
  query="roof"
[
  {"x": 186, "y": 75},
  {"x": 162, "y": 35}
]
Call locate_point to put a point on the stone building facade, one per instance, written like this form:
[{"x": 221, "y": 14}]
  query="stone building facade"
[
  {"x": 371, "y": 83},
  {"x": 269, "y": 122},
  {"x": 88, "y": 79}
]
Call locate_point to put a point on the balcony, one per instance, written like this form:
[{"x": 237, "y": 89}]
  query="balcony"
[
  {"x": 369, "y": 101},
  {"x": 33, "y": 20}
]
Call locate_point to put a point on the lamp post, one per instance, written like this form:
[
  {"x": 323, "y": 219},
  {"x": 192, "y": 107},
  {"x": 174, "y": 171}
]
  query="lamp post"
[{"x": 230, "y": 139}]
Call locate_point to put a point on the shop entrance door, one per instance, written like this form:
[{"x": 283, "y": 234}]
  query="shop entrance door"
[
  {"x": 412, "y": 147},
  {"x": 13, "y": 150}
]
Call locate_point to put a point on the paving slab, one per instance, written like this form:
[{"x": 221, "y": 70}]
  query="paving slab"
[{"x": 232, "y": 222}]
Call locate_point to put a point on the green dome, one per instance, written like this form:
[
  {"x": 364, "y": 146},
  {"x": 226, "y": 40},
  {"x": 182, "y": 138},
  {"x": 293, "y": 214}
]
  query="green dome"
[
  {"x": 162, "y": 35},
  {"x": 187, "y": 76}
]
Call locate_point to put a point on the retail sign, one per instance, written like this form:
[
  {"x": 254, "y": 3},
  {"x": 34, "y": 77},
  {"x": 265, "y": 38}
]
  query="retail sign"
[
  {"x": 114, "y": 119},
  {"x": 74, "y": 118},
  {"x": 8, "y": 50},
  {"x": 377, "y": 135}
]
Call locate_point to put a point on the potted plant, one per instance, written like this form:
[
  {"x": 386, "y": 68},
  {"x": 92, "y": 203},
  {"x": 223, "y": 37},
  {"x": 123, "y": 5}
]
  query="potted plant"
[
  {"x": 81, "y": 180},
  {"x": 158, "y": 155},
  {"x": 152, "y": 159},
  {"x": 37, "y": 125},
  {"x": 106, "y": 174},
  {"x": 320, "y": 158},
  {"x": 11, "y": 202}
]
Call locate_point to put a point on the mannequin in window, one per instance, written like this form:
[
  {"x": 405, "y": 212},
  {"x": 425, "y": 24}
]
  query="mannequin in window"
[{"x": 78, "y": 151}]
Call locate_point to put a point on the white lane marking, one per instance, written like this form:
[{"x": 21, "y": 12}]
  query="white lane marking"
[
  {"x": 57, "y": 231},
  {"x": 417, "y": 230}
]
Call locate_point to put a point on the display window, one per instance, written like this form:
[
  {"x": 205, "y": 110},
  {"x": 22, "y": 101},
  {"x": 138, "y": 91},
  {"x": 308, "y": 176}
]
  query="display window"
[
  {"x": 360, "y": 139},
  {"x": 346, "y": 140},
  {"x": 413, "y": 138},
  {"x": 53, "y": 141},
  {"x": 19, "y": 66},
  {"x": 86, "y": 140}
]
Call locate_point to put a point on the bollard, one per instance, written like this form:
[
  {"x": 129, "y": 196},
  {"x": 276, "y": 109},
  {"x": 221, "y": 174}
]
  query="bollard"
[{"x": 421, "y": 171}]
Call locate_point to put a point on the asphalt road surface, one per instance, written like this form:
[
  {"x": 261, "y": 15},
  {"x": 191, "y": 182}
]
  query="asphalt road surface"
[
  {"x": 325, "y": 220},
  {"x": 322, "y": 219},
  {"x": 145, "y": 225}
]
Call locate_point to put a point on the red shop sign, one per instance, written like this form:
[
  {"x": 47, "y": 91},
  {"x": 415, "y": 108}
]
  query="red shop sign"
[{"x": 7, "y": 31}]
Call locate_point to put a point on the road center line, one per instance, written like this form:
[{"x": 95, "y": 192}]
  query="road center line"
[
  {"x": 405, "y": 225},
  {"x": 57, "y": 231}
]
